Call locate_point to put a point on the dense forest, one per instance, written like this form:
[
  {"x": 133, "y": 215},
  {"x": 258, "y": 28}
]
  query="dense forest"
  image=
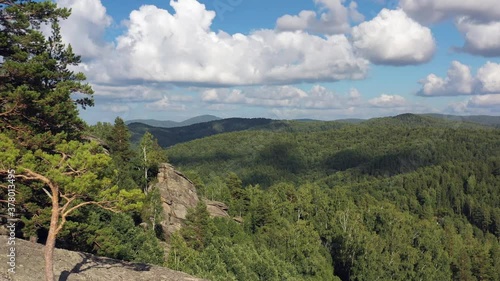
[
  {"x": 401, "y": 198},
  {"x": 409, "y": 197}
]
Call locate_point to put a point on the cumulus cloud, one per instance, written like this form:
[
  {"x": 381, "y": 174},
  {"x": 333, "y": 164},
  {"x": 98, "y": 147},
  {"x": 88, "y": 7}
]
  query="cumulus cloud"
[
  {"x": 130, "y": 93},
  {"x": 483, "y": 104},
  {"x": 481, "y": 38},
  {"x": 488, "y": 77},
  {"x": 459, "y": 81},
  {"x": 165, "y": 104},
  {"x": 485, "y": 101},
  {"x": 388, "y": 101},
  {"x": 85, "y": 28},
  {"x": 181, "y": 48},
  {"x": 393, "y": 38},
  {"x": 335, "y": 18},
  {"x": 478, "y": 21},
  {"x": 431, "y": 11},
  {"x": 318, "y": 97}
]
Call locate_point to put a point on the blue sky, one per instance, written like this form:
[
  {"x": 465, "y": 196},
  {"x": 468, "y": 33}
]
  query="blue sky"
[{"x": 322, "y": 59}]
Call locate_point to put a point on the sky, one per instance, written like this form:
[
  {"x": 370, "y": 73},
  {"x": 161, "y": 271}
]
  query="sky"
[{"x": 286, "y": 59}]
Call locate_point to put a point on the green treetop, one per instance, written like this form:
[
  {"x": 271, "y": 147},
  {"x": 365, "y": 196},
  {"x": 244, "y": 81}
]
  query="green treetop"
[
  {"x": 38, "y": 107},
  {"x": 40, "y": 130}
]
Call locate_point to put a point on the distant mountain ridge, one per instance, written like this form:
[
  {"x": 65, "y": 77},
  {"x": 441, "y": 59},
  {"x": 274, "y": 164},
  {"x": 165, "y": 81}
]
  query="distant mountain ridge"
[
  {"x": 174, "y": 124},
  {"x": 486, "y": 120},
  {"x": 169, "y": 136}
]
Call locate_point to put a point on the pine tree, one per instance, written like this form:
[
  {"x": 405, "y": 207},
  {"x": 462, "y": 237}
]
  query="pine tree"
[
  {"x": 40, "y": 130},
  {"x": 37, "y": 106},
  {"x": 120, "y": 142}
]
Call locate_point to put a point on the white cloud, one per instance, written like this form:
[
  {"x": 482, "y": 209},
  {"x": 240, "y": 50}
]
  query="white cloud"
[
  {"x": 354, "y": 97},
  {"x": 457, "y": 107},
  {"x": 478, "y": 21},
  {"x": 181, "y": 48},
  {"x": 318, "y": 97},
  {"x": 481, "y": 38},
  {"x": 116, "y": 108},
  {"x": 335, "y": 18},
  {"x": 431, "y": 11},
  {"x": 483, "y": 104},
  {"x": 364, "y": 111},
  {"x": 285, "y": 100},
  {"x": 485, "y": 101},
  {"x": 488, "y": 77},
  {"x": 132, "y": 93},
  {"x": 165, "y": 104},
  {"x": 388, "y": 101},
  {"x": 85, "y": 28},
  {"x": 393, "y": 38},
  {"x": 319, "y": 114},
  {"x": 459, "y": 81}
]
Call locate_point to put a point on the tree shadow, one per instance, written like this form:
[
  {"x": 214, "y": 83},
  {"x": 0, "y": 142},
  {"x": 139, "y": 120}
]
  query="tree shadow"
[{"x": 90, "y": 262}]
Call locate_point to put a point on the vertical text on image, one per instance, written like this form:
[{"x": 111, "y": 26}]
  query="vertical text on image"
[{"x": 11, "y": 222}]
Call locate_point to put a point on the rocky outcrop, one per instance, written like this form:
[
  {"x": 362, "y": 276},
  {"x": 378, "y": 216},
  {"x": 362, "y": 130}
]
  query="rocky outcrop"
[
  {"x": 217, "y": 209},
  {"x": 76, "y": 266},
  {"x": 178, "y": 194}
]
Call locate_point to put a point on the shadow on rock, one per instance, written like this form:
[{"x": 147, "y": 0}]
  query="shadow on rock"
[{"x": 92, "y": 262}]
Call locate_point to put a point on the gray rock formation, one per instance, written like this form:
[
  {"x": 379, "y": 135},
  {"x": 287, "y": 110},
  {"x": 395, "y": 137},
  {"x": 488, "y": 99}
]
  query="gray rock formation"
[
  {"x": 178, "y": 194},
  {"x": 76, "y": 266},
  {"x": 217, "y": 209}
]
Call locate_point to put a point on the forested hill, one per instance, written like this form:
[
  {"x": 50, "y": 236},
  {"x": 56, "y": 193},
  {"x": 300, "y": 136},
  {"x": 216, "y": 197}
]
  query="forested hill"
[
  {"x": 400, "y": 198},
  {"x": 172, "y": 124},
  {"x": 171, "y": 136},
  {"x": 297, "y": 151},
  {"x": 179, "y": 134}
]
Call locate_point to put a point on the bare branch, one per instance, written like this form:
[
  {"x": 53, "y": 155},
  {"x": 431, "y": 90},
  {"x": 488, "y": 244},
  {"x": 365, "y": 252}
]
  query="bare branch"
[
  {"x": 64, "y": 158},
  {"x": 99, "y": 204},
  {"x": 75, "y": 172},
  {"x": 47, "y": 192},
  {"x": 14, "y": 108},
  {"x": 68, "y": 202},
  {"x": 31, "y": 175},
  {"x": 66, "y": 213}
]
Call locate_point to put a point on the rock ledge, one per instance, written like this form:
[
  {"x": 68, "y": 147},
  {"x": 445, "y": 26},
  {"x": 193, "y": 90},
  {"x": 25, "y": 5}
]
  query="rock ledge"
[{"x": 77, "y": 266}]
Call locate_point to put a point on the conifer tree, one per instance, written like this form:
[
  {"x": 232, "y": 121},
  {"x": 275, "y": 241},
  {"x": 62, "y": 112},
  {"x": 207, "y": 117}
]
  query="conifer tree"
[
  {"x": 38, "y": 106},
  {"x": 120, "y": 142},
  {"x": 40, "y": 130}
]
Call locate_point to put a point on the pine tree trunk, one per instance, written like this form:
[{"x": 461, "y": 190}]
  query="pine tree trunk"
[{"x": 51, "y": 239}]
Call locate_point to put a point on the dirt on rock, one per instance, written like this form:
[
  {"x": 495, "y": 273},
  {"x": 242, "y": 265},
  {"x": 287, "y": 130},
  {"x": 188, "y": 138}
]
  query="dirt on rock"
[{"x": 77, "y": 266}]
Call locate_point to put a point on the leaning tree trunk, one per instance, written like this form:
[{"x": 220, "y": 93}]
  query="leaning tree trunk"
[{"x": 51, "y": 239}]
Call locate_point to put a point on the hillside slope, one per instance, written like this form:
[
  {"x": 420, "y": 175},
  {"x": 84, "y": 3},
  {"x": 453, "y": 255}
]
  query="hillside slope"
[
  {"x": 178, "y": 134},
  {"x": 170, "y": 136},
  {"x": 308, "y": 152}
]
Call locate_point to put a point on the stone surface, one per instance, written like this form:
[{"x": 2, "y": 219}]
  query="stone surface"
[
  {"x": 76, "y": 266},
  {"x": 217, "y": 209},
  {"x": 178, "y": 194}
]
